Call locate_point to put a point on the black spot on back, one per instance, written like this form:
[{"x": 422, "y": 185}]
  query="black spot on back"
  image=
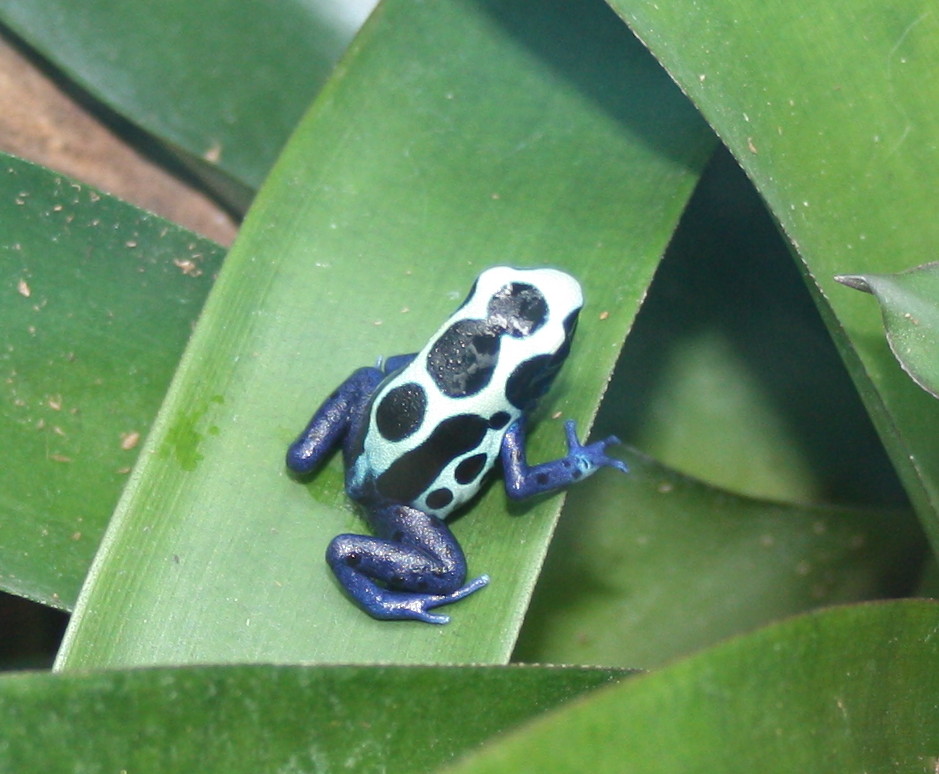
[
  {"x": 401, "y": 411},
  {"x": 518, "y": 309},
  {"x": 463, "y": 358},
  {"x": 470, "y": 468},
  {"x": 439, "y": 498},
  {"x": 499, "y": 420},
  {"x": 409, "y": 475}
]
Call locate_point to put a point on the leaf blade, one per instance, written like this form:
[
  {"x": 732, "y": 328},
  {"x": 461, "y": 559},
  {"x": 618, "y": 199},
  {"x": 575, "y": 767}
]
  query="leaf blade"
[
  {"x": 647, "y": 569},
  {"x": 825, "y": 124},
  {"x": 864, "y": 674},
  {"x": 89, "y": 348},
  {"x": 264, "y": 718},
  {"x": 570, "y": 139}
]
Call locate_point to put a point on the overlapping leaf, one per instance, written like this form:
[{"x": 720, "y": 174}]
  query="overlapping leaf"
[
  {"x": 222, "y": 81},
  {"x": 263, "y": 718},
  {"x": 848, "y": 689},
  {"x": 910, "y": 304},
  {"x": 656, "y": 565},
  {"x": 99, "y": 299},
  {"x": 836, "y": 129}
]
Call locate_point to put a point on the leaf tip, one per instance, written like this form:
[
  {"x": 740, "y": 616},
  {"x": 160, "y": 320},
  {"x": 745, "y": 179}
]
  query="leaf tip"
[{"x": 856, "y": 281}]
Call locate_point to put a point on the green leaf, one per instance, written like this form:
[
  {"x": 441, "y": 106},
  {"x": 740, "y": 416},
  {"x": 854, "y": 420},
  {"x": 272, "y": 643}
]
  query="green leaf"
[
  {"x": 266, "y": 718},
  {"x": 847, "y": 689},
  {"x": 99, "y": 298},
  {"x": 224, "y": 81},
  {"x": 909, "y": 301},
  {"x": 729, "y": 374},
  {"x": 655, "y": 565},
  {"x": 834, "y": 128},
  {"x": 454, "y": 136}
]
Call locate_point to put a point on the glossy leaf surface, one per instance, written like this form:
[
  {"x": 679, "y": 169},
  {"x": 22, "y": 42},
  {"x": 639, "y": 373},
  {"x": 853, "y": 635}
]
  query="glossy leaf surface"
[
  {"x": 265, "y": 718},
  {"x": 99, "y": 298},
  {"x": 909, "y": 302},
  {"x": 835, "y": 129},
  {"x": 456, "y": 135},
  {"x": 846, "y": 689}
]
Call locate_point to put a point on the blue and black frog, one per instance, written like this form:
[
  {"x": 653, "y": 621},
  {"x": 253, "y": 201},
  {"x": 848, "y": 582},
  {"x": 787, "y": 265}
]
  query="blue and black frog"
[{"x": 420, "y": 432}]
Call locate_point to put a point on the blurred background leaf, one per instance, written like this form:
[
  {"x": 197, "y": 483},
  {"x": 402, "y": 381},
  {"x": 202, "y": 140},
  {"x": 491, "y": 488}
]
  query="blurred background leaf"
[
  {"x": 656, "y": 566},
  {"x": 730, "y": 374},
  {"x": 221, "y": 82}
]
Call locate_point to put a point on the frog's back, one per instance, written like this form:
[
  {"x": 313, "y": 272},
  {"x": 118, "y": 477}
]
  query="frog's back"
[{"x": 435, "y": 428}]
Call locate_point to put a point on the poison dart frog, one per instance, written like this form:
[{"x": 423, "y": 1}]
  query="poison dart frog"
[{"x": 420, "y": 432}]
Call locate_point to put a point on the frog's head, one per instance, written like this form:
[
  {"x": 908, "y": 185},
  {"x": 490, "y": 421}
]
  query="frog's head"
[{"x": 514, "y": 329}]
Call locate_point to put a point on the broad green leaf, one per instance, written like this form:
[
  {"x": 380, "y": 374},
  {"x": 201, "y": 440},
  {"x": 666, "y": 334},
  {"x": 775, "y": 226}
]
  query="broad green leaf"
[
  {"x": 847, "y": 689},
  {"x": 655, "y": 565},
  {"x": 909, "y": 301},
  {"x": 224, "y": 81},
  {"x": 455, "y": 135},
  {"x": 832, "y": 115},
  {"x": 99, "y": 299},
  {"x": 729, "y": 373},
  {"x": 265, "y": 718}
]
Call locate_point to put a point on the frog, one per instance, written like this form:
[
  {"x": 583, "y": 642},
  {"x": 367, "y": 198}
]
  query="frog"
[{"x": 421, "y": 432}]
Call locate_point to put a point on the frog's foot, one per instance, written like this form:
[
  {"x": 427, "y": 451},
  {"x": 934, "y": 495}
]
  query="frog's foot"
[
  {"x": 405, "y": 606},
  {"x": 414, "y": 565},
  {"x": 593, "y": 455},
  {"x": 581, "y": 461}
]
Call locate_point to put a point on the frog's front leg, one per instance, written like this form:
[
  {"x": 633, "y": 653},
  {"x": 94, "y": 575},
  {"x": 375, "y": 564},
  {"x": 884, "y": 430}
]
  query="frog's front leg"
[
  {"x": 581, "y": 461},
  {"x": 415, "y": 558},
  {"x": 331, "y": 422}
]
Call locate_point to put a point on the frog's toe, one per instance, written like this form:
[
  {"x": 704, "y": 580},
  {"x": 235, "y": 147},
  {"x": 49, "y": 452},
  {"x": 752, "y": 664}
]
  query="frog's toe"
[
  {"x": 474, "y": 585},
  {"x": 420, "y": 614},
  {"x": 437, "y": 600}
]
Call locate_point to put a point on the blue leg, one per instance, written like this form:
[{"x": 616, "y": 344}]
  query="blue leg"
[
  {"x": 416, "y": 560},
  {"x": 332, "y": 420},
  {"x": 580, "y": 462},
  {"x": 396, "y": 362}
]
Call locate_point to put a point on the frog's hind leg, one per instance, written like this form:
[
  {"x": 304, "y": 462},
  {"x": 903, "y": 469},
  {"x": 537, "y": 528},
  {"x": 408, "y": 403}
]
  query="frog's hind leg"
[{"x": 415, "y": 564}]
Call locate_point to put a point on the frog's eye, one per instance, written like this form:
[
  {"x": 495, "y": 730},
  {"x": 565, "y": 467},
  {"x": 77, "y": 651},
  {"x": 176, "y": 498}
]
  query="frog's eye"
[
  {"x": 531, "y": 378},
  {"x": 570, "y": 324}
]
